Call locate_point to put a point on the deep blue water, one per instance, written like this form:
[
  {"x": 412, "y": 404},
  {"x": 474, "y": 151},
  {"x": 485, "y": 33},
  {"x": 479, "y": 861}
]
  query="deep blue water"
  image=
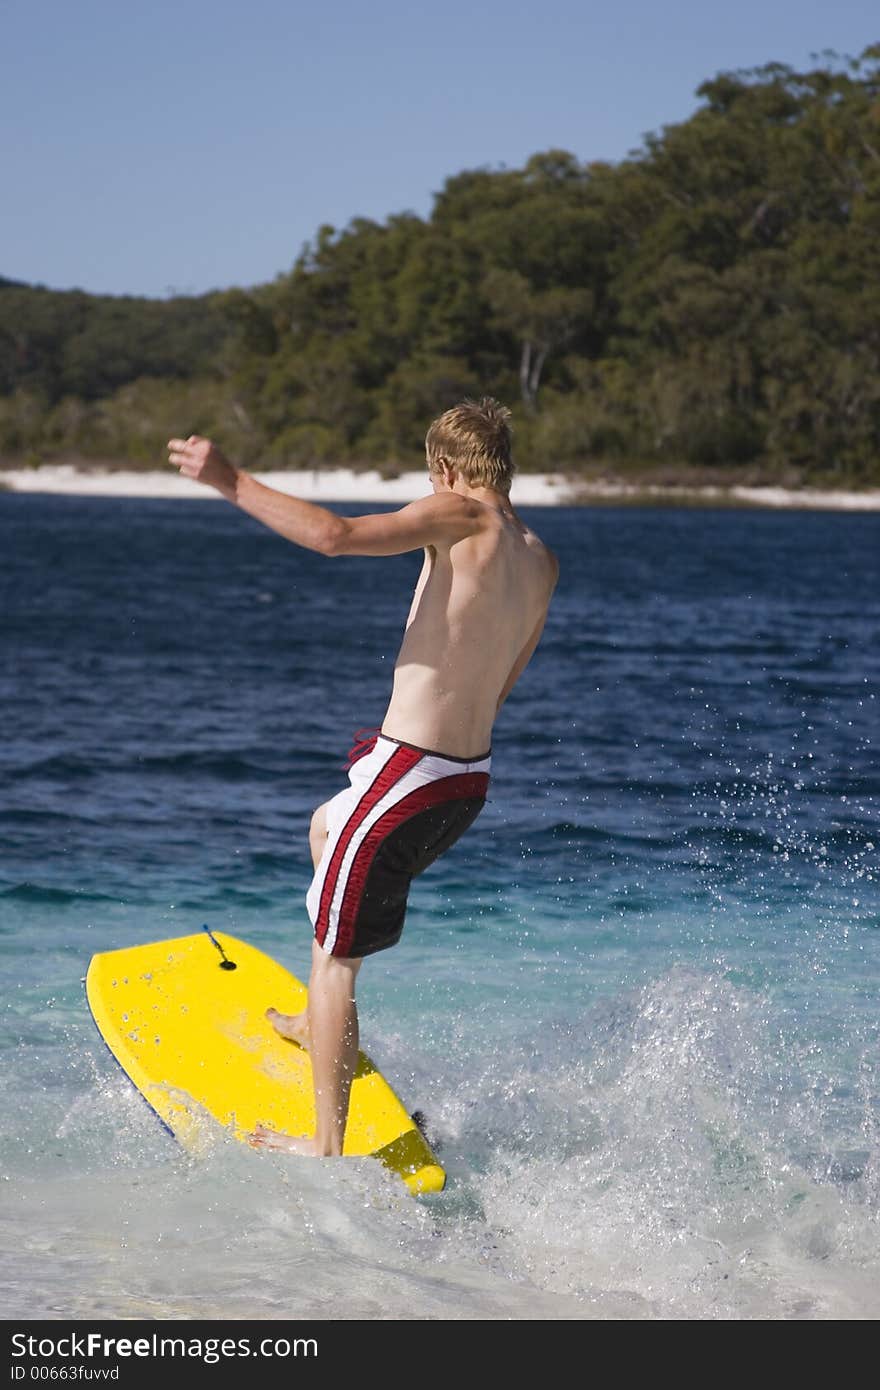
[{"x": 638, "y": 1001}]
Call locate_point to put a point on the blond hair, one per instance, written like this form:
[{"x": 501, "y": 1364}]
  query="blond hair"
[{"x": 475, "y": 438}]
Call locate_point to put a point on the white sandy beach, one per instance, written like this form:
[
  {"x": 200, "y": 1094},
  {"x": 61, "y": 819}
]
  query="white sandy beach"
[
  {"x": 330, "y": 485},
  {"x": 350, "y": 485}
]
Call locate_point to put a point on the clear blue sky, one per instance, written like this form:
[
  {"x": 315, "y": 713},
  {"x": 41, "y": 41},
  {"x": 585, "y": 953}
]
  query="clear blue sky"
[{"x": 177, "y": 146}]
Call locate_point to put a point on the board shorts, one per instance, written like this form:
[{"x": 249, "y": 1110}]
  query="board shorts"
[{"x": 404, "y": 807}]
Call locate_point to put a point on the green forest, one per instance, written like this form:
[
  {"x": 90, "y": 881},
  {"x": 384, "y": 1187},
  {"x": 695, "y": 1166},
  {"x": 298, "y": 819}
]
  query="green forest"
[{"x": 707, "y": 308}]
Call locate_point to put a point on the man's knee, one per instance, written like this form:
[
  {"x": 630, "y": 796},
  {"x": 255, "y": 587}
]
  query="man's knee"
[
  {"x": 318, "y": 834},
  {"x": 318, "y": 823},
  {"x": 330, "y": 968}
]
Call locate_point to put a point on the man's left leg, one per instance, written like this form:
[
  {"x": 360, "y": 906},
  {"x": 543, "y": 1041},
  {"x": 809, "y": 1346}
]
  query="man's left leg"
[
  {"x": 333, "y": 1039},
  {"x": 329, "y": 1028}
]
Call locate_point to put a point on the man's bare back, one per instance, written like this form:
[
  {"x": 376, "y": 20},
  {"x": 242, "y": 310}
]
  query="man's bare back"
[{"x": 476, "y": 616}]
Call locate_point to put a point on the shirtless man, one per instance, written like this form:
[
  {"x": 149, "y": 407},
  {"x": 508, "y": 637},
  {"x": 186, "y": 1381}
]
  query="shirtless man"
[{"x": 476, "y": 618}]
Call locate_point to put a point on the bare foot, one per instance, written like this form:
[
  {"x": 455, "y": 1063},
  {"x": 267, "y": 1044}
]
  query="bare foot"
[
  {"x": 263, "y": 1138},
  {"x": 293, "y": 1027}
]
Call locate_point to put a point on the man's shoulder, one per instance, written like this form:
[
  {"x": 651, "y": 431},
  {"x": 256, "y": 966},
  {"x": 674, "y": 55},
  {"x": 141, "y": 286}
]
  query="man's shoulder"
[
  {"x": 543, "y": 550},
  {"x": 447, "y": 507}
]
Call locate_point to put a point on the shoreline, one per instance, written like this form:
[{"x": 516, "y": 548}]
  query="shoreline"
[{"x": 349, "y": 485}]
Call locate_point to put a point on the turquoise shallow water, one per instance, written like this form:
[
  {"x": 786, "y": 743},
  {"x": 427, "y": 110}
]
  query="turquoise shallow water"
[{"x": 637, "y": 1003}]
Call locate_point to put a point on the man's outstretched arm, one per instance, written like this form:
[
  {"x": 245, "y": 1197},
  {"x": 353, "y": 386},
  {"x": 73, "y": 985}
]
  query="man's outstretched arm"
[{"x": 435, "y": 519}]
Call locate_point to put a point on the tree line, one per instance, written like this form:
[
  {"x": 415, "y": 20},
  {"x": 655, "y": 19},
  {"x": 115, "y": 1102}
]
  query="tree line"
[{"x": 709, "y": 305}]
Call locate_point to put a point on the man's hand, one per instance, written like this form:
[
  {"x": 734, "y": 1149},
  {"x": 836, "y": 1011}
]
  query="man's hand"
[{"x": 198, "y": 458}]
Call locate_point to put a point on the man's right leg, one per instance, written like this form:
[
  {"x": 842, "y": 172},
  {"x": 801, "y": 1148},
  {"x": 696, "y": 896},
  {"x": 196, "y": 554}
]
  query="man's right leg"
[
  {"x": 328, "y": 1027},
  {"x": 333, "y": 1045}
]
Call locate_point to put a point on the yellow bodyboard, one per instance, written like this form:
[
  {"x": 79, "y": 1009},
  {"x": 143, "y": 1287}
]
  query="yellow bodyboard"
[{"x": 185, "y": 1019}]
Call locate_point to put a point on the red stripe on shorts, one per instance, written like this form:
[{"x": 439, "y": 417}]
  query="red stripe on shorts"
[
  {"x": 461, "y": 786},
  {"x": 397, "y": 765}
]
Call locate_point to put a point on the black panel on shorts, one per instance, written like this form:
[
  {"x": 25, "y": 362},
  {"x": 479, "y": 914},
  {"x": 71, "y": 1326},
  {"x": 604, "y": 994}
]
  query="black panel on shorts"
[{"x": 404, "y": 854}]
